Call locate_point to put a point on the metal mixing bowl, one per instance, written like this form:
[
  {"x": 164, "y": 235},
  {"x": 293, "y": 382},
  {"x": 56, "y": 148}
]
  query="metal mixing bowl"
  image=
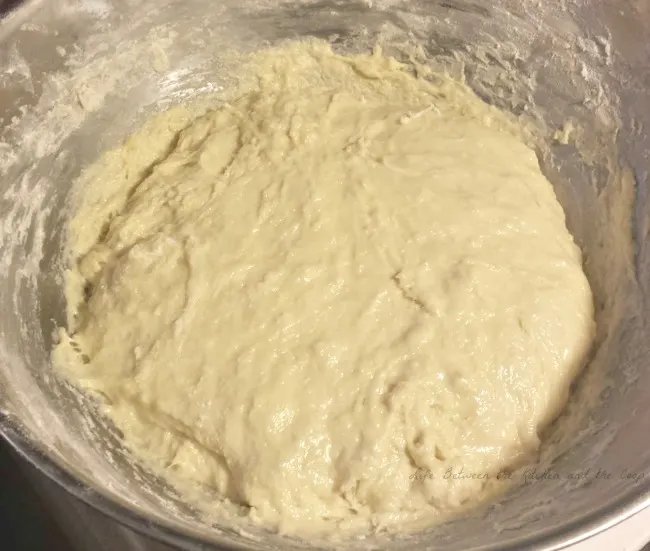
[{"x": 79, "y": 75}]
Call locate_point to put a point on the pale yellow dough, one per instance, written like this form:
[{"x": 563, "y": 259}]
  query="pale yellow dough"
[{"x": 342, "y": 275}]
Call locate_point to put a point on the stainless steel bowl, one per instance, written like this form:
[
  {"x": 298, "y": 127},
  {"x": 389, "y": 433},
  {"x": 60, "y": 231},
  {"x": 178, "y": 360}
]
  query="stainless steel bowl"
[{"x": 79, "y": 75}]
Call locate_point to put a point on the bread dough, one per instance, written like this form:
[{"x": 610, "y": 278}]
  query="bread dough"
[{"x": 327, "y": 294}]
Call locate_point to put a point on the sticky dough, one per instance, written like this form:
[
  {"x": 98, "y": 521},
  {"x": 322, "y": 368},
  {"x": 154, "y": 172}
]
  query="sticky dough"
[{"x": 322, "y": 295}]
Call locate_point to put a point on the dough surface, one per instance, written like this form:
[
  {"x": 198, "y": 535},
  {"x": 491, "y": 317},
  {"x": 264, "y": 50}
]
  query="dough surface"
[{"x": 341, "y": 277}]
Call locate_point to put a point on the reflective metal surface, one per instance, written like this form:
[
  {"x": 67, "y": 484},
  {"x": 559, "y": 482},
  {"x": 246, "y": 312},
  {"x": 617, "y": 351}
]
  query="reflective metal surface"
[{"x": 76, "y": 76}]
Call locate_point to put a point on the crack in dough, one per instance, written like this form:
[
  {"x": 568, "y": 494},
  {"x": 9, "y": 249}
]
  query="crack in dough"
[{"x": 341, "y": 276}]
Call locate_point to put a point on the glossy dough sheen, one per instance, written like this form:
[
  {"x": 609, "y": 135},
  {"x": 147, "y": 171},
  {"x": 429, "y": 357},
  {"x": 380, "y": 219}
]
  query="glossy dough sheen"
[{"x": 339, "y": 277}]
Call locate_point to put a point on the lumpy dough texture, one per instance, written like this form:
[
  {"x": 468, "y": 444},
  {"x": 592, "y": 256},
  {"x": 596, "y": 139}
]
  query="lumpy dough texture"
[{"x": 340, "y": 278}]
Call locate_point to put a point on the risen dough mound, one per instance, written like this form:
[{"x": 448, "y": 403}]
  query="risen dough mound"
[{"x": 339, "y": 279}]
